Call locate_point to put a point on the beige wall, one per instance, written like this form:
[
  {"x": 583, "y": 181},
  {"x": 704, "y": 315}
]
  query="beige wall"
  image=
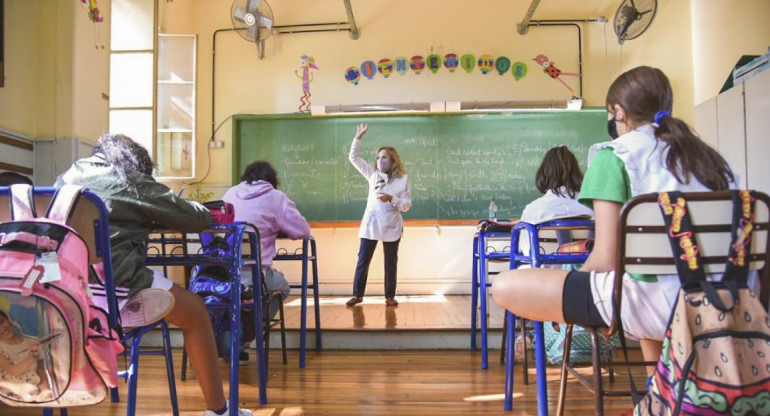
[
  {"x": 722, "y": 32},
  {"x": 54, "y": 72}
]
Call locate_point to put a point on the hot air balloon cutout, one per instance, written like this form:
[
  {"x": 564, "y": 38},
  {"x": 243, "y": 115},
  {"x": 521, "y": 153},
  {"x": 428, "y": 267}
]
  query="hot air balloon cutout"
[
  {"x": 468, "y": 62},
  {"x": 519, "y": 70},
  {"x": 417, "y": 63},
  {"x": 434, "y": 62},
  {"x": 485, "y": 63},
  {"x": 368, "y": 69},
  {"x": 385, "y": 67},
  {"x": 552, "y": 71},
  {"x": 402, "y": 65},
  {"x": 308, "y": 63},
  {"x": 502, "y": 65},
  {"x": 451, "y": 62},
  {"x": 352, "y": 75}
]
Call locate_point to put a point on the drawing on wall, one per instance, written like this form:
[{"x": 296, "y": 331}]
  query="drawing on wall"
[
  {"x": 308, "y": 63},
  {"x": 417, "y": 64},
  {"x": 486, "y": 62},
  {"x": 502, "y": 65},
  {"x": 368, "y": 69},
  {"x": 451, "y": 62},
  {"x": 519, "y": 70},
  {"x": 552, "y": 71},
  {"x": 352, "y": 75},
  {"x": 468, "y": 62},
  {"x": 385, "y": 67}
]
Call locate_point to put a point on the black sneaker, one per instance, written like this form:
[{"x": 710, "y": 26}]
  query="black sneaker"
[{"x": 243, "y": 358}]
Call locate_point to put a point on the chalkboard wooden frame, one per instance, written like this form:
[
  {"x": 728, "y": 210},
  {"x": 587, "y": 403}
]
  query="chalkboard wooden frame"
[{"x": 456, "y": 162}]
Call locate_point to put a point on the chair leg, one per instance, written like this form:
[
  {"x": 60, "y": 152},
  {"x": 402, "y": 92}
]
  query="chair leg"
[
  {"x": 510, "y": 318},
  {"x": 183, "y": 377},
  {"x": 502, "y": 343},
  {"x": 597, "y": 367},
  {"x": 564, "y": 364},
  {"x": 283, "y": 329},
  {"x": 525, "y": 364},
  {"x": 169, "y": 368}
]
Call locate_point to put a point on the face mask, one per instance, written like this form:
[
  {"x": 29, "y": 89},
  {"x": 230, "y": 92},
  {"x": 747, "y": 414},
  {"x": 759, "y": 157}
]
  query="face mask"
[
  {"x": 383, "y": 165},
  {"x": 612, "y": 128}
]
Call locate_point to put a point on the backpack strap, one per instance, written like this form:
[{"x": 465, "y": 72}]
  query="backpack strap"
[
  {"x": 63, "y": 204},
  {"x": 22, "y": 202},
  {"x": 738, "y": 259},
  {"x": 675, "y": 212}
]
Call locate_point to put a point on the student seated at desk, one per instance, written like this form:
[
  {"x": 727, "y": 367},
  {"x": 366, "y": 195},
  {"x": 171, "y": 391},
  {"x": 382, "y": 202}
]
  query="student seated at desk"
[
  {"x": 652, "y": 152},
  {"x": 258, "y": 201},
  {"x": 120, "y": 172},
  {"x": 559, "y": 179}
]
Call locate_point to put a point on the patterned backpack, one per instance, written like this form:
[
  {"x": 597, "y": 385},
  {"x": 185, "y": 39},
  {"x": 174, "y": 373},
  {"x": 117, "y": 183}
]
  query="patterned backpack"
[
  {"x": 716, "y": 353},
  {"x": 56, "y": 348}
]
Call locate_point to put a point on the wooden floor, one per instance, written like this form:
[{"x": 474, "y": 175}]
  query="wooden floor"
[
  {"x": 414, "y": 312},
  {"x": 344, "y": 382}
]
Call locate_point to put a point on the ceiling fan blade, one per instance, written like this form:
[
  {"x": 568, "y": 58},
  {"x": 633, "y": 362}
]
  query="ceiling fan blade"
[
  {"x": 251, "y": 5},
  {"x": 239, "y": 14},
  {"x": 265, "y": 21},
  {"x": 252, "y": 32}
]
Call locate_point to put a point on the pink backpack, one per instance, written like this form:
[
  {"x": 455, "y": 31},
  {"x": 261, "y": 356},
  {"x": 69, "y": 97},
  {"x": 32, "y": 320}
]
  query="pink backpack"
[{"x": 57, "y": 348}]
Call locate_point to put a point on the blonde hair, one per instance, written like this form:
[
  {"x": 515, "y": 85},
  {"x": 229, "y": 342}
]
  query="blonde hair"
[{"x": 397, "y": 170}]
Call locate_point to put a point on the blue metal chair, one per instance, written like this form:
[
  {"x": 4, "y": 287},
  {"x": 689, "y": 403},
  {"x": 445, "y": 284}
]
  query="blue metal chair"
[
  {"x": 307, "y": 256},
  {"x": 539, "y": 254},
  {"x": 483, "y": 253}
]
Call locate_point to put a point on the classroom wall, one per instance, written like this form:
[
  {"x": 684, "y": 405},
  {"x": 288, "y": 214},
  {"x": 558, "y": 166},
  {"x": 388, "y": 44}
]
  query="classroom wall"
[
  {"x": 716, "y": 47},
  {"x": 56, "y": 70}
]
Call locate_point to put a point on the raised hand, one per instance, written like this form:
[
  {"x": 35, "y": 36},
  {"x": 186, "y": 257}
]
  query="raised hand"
[{"x": 361, "y": 129}]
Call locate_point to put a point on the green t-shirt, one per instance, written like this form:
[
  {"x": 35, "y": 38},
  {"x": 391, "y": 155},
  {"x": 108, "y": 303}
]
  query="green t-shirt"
[{"x": 607, "y": 179}]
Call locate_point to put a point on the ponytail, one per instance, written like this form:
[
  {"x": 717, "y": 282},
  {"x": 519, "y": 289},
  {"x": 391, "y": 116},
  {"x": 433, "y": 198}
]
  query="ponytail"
[{"x": 690, "y": 156}]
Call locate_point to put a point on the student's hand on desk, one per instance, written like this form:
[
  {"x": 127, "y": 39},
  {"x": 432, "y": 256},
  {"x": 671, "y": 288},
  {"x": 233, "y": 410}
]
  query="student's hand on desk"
[
  {"x": 361, "y": 130},
  {"x": 383, "y": 197}
]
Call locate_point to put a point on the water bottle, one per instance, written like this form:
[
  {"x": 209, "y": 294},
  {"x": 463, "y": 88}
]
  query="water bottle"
[{"x": 492, "y": 211}]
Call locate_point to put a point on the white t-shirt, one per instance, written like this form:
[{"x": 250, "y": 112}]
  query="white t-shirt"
[{"x": 549, "y": 207}]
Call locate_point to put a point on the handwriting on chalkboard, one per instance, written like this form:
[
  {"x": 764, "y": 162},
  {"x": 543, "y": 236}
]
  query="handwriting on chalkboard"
[{"x": 456, "y": 163}]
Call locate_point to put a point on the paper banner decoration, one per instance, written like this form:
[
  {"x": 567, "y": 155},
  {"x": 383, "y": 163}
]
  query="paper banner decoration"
[
  {"x": 434, "y": 63},
  {"x": 417, "y": 64},
  {"x": 385, "y": 67},
  {"x": 485, "y": 63},
  {"x": 552, "y": 71},
  {"x": 94, "y": 14},
  {"x": 352, "y": 75},
  {"x": 307, "y": 63},
  {"x": 519, "y": 70},
  {"x": 502, "y": 65},
  {"x": 451, "y": 62},
  {"x": 402, "y": 64},
  {"x": 468, "y": 62},
  {"x": 368, "y": 69}
]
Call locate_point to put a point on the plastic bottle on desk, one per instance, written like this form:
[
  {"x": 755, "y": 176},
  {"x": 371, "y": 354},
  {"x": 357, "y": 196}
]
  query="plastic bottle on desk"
[{"x": 492, "y": 211}]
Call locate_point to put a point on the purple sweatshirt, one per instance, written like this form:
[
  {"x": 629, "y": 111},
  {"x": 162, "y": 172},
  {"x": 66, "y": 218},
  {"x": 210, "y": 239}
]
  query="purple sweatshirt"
[{"x": 270, "y": 210}]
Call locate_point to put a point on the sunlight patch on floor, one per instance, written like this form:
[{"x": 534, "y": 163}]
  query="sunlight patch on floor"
[
  {"x": 491, "y": 397},
  {"x": 370, "y": 300}
]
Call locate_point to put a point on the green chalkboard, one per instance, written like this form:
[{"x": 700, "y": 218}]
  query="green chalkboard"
[{"x": 456, "y": 163}]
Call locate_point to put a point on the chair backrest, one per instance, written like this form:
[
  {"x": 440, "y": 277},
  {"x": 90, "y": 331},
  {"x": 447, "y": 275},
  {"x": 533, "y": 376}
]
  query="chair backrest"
[
  {"x": 644, "y": 243},
  {"x": 544, "y": 241}
]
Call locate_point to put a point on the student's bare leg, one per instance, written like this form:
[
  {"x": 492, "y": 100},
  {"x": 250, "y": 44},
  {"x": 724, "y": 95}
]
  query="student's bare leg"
[
  {"x": 190, "y": 315},
  {"x": 651, "y": 352},
  {"x": 534, "y": 294}
]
